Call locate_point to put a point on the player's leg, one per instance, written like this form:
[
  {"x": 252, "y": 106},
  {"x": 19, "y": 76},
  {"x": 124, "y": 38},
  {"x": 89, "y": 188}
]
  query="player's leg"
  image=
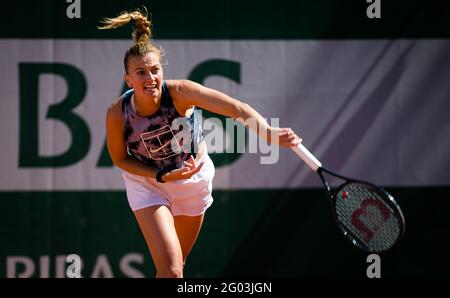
[
  {"x": 188, "y": 228},
  {"x": 157, "y": 225},
  {"x": 189, "y": 204}
]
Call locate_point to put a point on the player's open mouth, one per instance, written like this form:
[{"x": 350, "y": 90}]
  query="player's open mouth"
[{"x": 150, "y": 88}]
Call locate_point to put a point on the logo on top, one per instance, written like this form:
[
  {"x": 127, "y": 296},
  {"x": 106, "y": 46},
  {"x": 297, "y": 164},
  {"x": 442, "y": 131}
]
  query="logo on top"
[{"x": 161, "y": 143}]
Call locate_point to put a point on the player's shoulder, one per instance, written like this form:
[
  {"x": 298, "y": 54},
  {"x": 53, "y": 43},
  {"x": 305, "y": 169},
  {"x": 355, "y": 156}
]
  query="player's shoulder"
[
  {"x": 180, "y": 86},
  {"x": 115, "y": 109},
  {"x": 173, "y": 85}
]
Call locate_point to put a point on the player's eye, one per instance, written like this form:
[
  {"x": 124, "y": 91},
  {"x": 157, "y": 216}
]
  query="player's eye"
[{"x": 141, "y": 72}]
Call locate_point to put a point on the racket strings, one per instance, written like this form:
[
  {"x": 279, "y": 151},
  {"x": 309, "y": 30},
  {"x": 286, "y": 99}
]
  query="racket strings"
[
  {"x": 380, "y": 240},
  {"x": 371, "y": 226},
  {"x": 367, "y": 217},
  {"x": 376, "y": 219},
  {"x": 373, "y": 222}
]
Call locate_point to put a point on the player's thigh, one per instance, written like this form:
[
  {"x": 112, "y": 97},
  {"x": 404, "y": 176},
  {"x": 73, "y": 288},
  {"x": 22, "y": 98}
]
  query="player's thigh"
[
  {"x": 157, "y": 225},
  {"x": 188, "y": 228}
]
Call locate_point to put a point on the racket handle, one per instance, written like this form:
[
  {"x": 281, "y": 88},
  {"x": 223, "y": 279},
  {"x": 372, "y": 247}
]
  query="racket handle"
[{"x": 307, "y": 157}]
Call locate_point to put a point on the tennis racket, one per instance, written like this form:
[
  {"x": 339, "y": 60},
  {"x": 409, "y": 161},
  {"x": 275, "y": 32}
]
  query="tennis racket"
[{"x": 366, "y": 214}]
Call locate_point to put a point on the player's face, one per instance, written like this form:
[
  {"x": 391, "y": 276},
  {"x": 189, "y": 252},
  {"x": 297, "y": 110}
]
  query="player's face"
[{"x": 145, "y": 76}]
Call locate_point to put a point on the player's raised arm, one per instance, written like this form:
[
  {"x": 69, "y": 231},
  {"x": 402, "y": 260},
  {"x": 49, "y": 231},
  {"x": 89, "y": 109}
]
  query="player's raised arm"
[{"x": 189, "y": 93}]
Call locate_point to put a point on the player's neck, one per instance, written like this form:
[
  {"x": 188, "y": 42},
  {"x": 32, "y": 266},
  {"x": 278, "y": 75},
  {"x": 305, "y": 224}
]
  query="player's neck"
[{"x": 146, "y": 107}]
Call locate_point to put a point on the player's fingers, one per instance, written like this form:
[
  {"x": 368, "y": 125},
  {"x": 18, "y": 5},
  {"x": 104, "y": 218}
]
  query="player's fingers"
[
  {"x": 195, "y": 171},
  {"x": 290, "y": 141},
  {"x": 283, "y": 131},
  {"x": 287, "y": 138},
  {"x": 181, "y": 171},
  {"x": 292, "y": 137},
  {"x": 296, "y": 142},
  {"x": 188, "y": 164},
  {"x": 175, "y": 174},
  {"x": 192, "y": 172}
]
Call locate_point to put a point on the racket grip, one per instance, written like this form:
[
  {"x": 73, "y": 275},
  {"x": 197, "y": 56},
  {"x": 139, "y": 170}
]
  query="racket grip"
[{"x": 307, "y": 157}]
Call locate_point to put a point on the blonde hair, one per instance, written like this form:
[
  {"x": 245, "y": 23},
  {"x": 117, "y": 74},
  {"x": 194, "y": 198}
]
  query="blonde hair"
[{"x": 142, "y": 33}]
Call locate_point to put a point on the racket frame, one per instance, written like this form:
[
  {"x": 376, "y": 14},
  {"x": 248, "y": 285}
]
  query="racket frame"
[
  {"x": 317, "y": 167},
  {"x": 332, "y": 195}
]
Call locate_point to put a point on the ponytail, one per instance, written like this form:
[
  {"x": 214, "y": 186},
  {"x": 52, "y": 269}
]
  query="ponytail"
[{"x": 142, "y": 33}]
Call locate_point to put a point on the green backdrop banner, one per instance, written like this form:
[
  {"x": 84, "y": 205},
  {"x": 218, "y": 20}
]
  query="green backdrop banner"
[{"x": 271, "y": 233}]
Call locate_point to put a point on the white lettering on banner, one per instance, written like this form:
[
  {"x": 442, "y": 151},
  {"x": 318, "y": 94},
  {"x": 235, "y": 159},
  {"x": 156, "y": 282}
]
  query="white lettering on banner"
[
  {"x": 25, "y": 266},
  {"x": 44, "y": 265},
  {"x": 102, "y": 268},
  {"x": 127, "y": 260},
  {"x": 11, "y": 266}
]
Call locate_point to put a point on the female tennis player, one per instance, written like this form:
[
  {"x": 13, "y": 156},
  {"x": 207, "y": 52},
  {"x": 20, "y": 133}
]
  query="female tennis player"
[{"x": 168, "y": 188}]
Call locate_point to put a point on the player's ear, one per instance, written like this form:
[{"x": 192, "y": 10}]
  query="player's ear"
[{"x": 127, "y": 80}]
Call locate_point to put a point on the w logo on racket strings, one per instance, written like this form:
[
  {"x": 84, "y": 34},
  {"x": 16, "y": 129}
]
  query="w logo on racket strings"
[{"x": 370, "y": 217}]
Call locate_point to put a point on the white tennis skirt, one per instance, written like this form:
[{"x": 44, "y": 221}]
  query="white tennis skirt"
[{"x": 183, "y": 197}]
